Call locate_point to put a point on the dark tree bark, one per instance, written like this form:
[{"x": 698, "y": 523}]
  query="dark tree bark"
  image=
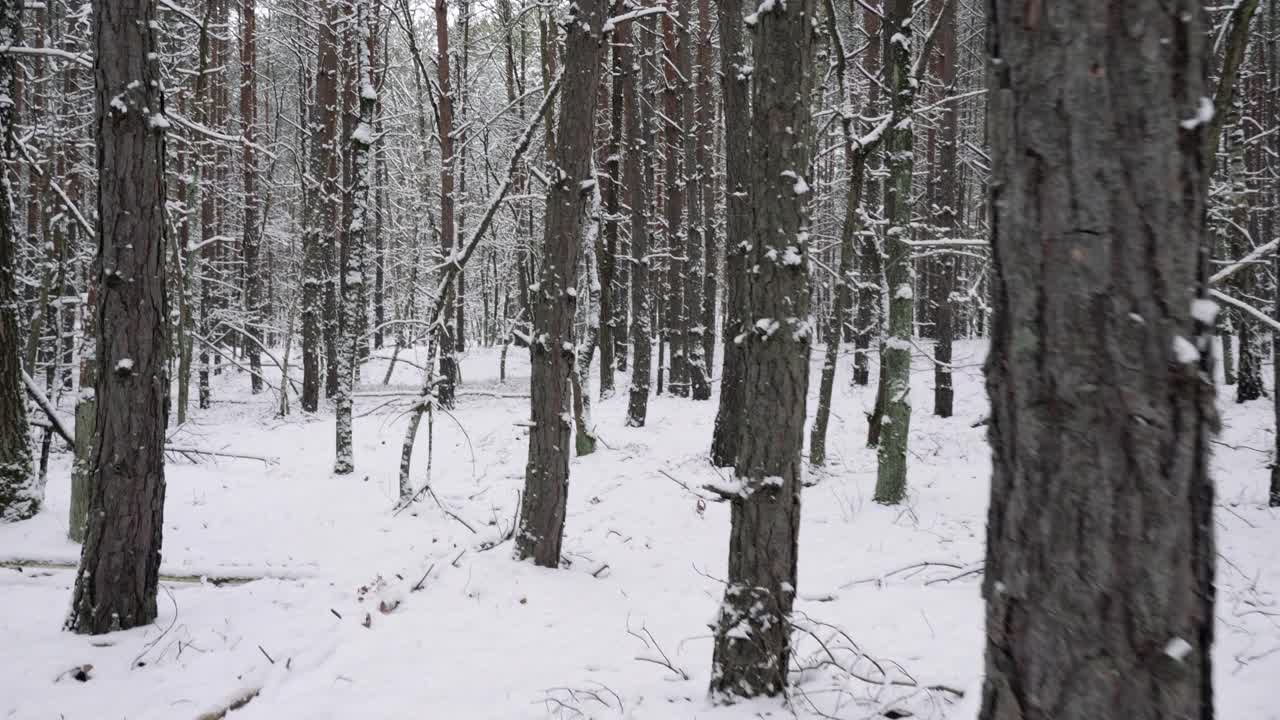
[
  {"x": 752, "y": 643},
  {"x": 21, "y": 492},
  {"x": 706, "y": 183},
  {"x": 674, "y": 325},
  {"x": 694, "y": 268},
  {"x": 120, "y": 564},
  {"x": 607, "y": 244},
  {"x": 252, "y": 198},
  {"x": 735, "y": 84},
  {"x": 638, "y": 192},
  {"x": 552, "y": 350},
  {"x": 866, "y": 321},
  {"x": 448, "y": 343},
  {"x": 321, "y": 198},
  {"x": 1100, "y": 549},
  {"x": 946, "y": 219},
  {"x": 893, "y": 403}
]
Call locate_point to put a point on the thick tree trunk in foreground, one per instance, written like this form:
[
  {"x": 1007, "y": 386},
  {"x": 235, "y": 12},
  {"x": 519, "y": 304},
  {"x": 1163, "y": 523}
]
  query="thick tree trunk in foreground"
[
  {"x": 21, "y": 491},
  {"x": 1100, "y": 549},
  {"x": 752, "y": 643},
  {"x": 735, "y": 83},
  {"x": 552, "y": 350},
  {"x": 120, "y": 563}
]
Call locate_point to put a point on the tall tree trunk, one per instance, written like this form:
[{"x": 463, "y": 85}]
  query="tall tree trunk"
[
  {"x": 752, "y": 637},
  {"x": 353, "y": 283},
  {"x": 693, "y": 268},
  {"x": 252, "y": 197},
  {"x": 639, "y": 175},
  {"x": 869, "y": 266},
  {"x": 899, "y": 270},
  {"x": 947, "y": 219},
  {"x": 674, "y": 320},
  {"x": 547, "y": 470},
  {"x": 317, "y": 241},
  {"x": 735, "y": 84},
  {"x": 607, "y": 250},
  {"x": 116, "y": 585},
  {"x": 21, "y": 491},
  {"x": 706, "y": 164},
  {"x": 1100, "y": 549},
  {"x": 448, "y": 349}
]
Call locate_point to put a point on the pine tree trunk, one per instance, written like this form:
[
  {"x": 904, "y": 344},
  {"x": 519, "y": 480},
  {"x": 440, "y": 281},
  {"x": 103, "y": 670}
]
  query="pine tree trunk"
[
  {"x": 735, "y": 84},
  {"x": 948, "y": 220},
  {"x": 252, "y": 199},
  {"x": 318, "y": 233},
  {"x": 116, "y": 585},
  {"x": 694, "y": 269},
  {"x": 21, "y": 492},
  {"x": 899, "y": 270},
  {"x": 752, "y": 637},
  {"x": 448, "y": 342},
  {"x": 638, "y": 180},
  {"x": 547, "y": 470},
  {"x": 1100, "y": 550},
  {"x": 607, "y": 251},
  {"x": 706, "y": 161},
  {"x": 867, "y": 322},
  {"x": 675, "y": 317}
]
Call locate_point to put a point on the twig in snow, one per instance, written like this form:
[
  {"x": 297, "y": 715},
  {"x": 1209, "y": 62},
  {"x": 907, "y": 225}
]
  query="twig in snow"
[
  {"x": 651, "y": 643},
  {"x": 422, "y": 580},
  {"x": 264, "y": 654}
]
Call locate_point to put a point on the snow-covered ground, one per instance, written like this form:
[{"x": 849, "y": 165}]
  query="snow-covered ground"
[{"x": 366, "y": 614}]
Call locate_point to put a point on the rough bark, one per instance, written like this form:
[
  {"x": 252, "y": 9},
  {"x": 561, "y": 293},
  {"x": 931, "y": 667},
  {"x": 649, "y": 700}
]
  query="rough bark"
[
  {"x": 752, "y": 636},
  {"x": 674, "y": 330},
  {"x": 947, "y": 219},
  {"x": 735, "y": 85},
  {"x": 448, "y": 343},
  {"x": 695, "y": 267},
  {"x": 252, "y": 197},
  {"x": 552, "y": 350},
  {"x": 321, "y": 198},
  {"x": 894, "y": 416},
  {"x": 607, "y": 250},
  {"x": 21, "y": 491},
  {"x": 120, "y": 563},
  {"x": 1100, "y": 551},
  {"x": 869, "y": 264},
  {"x": 638, "y": 191}
]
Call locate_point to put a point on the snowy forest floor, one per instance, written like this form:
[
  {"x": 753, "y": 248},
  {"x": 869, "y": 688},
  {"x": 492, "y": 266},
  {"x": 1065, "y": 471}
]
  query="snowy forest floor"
[{"x": 336, "y": 629}]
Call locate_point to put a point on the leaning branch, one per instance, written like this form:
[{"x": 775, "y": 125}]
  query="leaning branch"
[{"x": 43, "y": 401}]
